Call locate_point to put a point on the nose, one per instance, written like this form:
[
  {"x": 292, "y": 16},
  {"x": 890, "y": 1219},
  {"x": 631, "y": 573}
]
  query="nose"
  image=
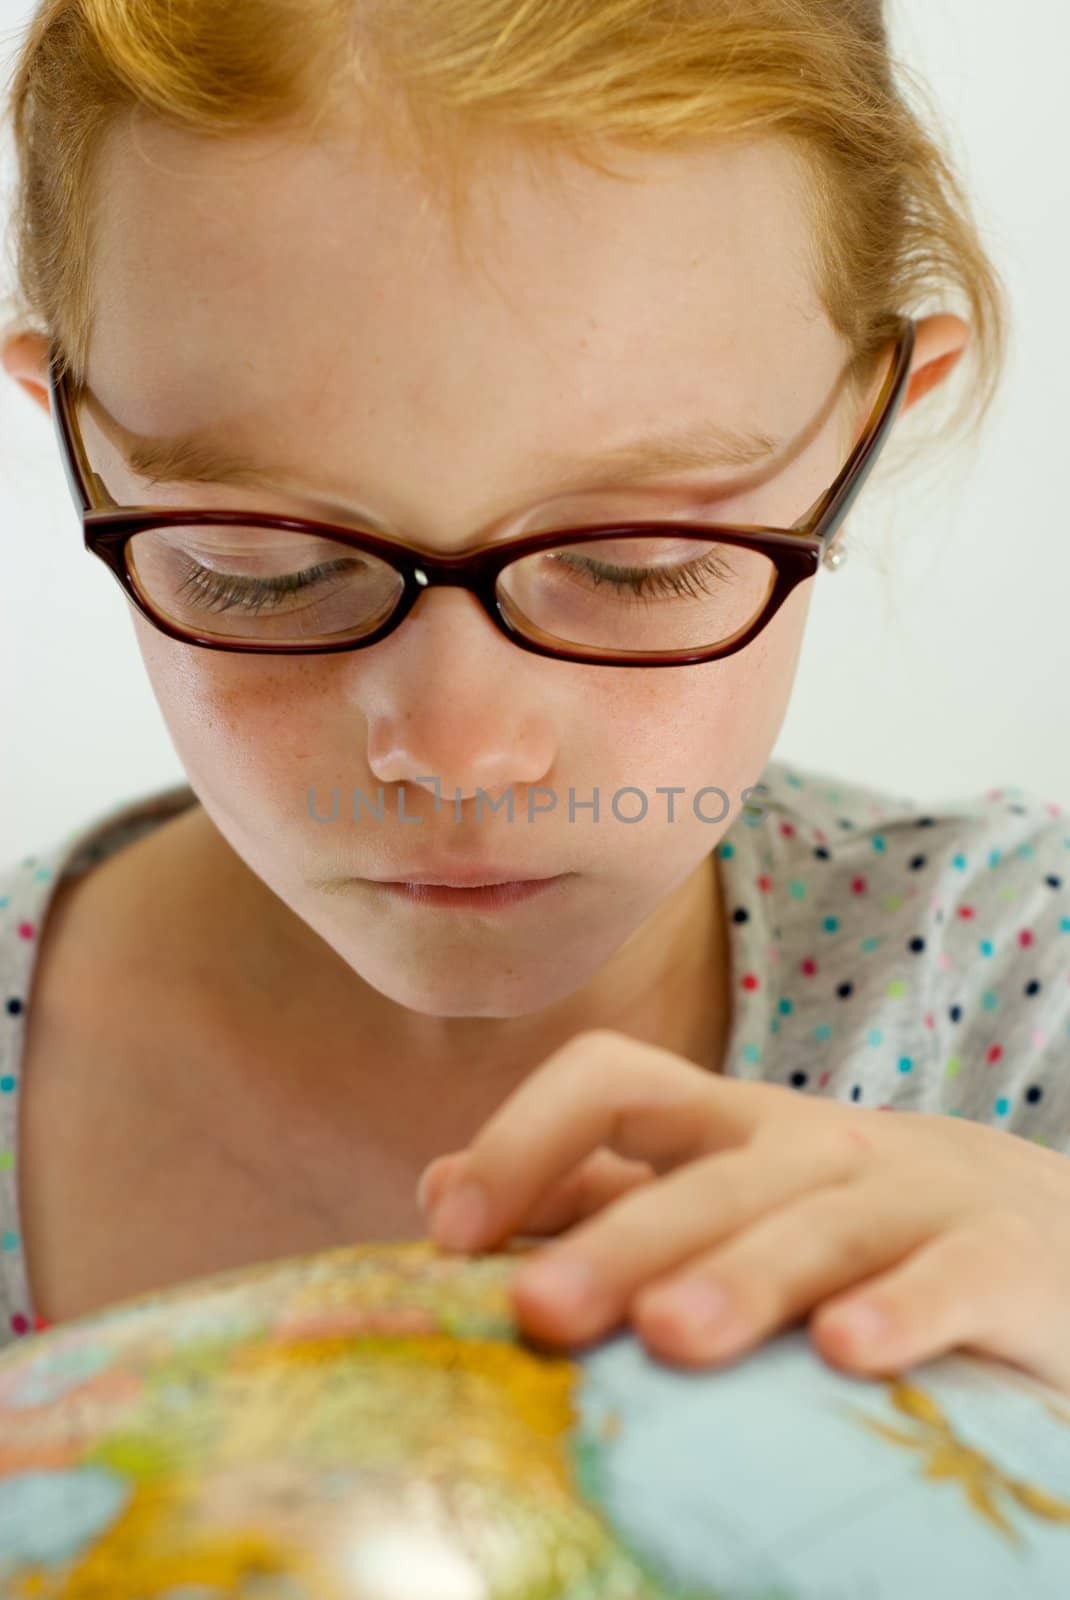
[{"x": 453, "y": 707}]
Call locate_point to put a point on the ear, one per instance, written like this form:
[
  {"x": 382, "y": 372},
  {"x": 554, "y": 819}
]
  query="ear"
[
  {"x": 940, "y": 343},
  {"x": 25, "y": 358}
]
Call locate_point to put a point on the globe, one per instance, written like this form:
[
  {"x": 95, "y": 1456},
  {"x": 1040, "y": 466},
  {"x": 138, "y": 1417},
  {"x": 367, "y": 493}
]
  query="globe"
[{"x": 369, "y": 1423}]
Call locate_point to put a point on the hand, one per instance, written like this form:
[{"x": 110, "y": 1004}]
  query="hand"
[{"x": 714, "y": 1211}]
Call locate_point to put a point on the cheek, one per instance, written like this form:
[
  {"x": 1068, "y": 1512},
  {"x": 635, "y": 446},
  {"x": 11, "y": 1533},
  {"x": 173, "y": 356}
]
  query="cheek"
[
  {"x": 237, "y": 723},
  {"x": 718, "y": 723}
]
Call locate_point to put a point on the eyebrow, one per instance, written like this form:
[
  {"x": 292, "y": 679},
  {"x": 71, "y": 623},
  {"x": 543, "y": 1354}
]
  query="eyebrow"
[{"x": 195, "y": 457}]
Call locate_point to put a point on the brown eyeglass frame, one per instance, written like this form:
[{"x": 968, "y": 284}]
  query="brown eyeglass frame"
[{"x": 796, "y": 553}]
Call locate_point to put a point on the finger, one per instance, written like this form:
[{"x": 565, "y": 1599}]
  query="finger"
[
  {"x": 990, "y": 1288},
  {"x": 775, "y": 1271},
  {"x": 670, "y": 1224},
  {"x": 600, "y": 1089},
  {"x": 436, "y": 1178},
  {"x": 595, "y": 1184}
]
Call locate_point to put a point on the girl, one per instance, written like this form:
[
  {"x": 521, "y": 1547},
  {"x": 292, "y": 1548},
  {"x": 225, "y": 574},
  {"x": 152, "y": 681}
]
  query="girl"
[{"x": 593, "y": 320}]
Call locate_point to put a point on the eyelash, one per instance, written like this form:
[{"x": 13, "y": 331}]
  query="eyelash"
[{"x": 214, "y": 592}]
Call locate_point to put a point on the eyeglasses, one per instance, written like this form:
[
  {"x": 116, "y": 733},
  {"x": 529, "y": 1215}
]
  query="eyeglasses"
[{"x": 641, "y": 594}]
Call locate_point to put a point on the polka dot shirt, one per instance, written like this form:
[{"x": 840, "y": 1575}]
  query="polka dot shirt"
[{"x": 881, "y": 954}]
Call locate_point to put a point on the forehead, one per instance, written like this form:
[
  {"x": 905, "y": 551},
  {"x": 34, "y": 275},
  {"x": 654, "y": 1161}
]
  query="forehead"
[{"x": 317, "y": 303}]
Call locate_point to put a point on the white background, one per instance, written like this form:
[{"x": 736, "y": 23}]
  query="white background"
[{"x": 937, "y": 660}]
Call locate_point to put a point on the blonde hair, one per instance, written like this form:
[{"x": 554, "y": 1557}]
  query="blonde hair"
[{"x": 892, "y": 224}]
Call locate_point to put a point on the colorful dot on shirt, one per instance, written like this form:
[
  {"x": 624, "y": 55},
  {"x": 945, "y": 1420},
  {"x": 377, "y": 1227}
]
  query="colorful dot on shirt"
[
  {"x": 960, "y": 863},
  {"x": 822, "y": 1032},
  {"x": 741, "y": 914},
  {"x": 797, "y": 890},
  {"x": 1034, "y": 1094},
  {"x": 953, "y": 1068},
  {"x": 896, "y": 989},
  {"x": 750, "y": 981},
  {"x": 7, "y": 1085},
  {"x": 726, "y": 851},
  {"x": 26, "y": 930},
  {"x": 875, "y": 1037},
  {"x": 858, "y": 886},
  {"x": 990, "y": 1000},
  {"x": 751, "y": 1053},
  {"x": 808, "y": 968},
  {"x": 845, "y": 991},
  {"x": 1033, "y": 988},
  {"x": 987, "y": 947},
  {"x": 1026, "y": 939},
  {"x": 995, "y": 1054},
  {"x": 893, "y": 902},
  {"x": 1002, "y": 1106},
  {"x": 785, "y": 1007},
  {"x": 831, "y": 924},
  {"x": 916, "y": 946},
  {"x": 7, "y": 1160},
  {"x": 13, "y": 1006},
  {"x": 918, "y": 862},
  {"x": 9, "y": 1241},
  {"x": 871, "y": 944},
  {"x": 1065, "y": 925},
  {"x": 995, "y": 857},
  {"x": 906, "y": 1064},
  {"x": 878, "y": 843},
  {"x": 20, "y": 1324},
  {"x": 798, "y": 1080}
]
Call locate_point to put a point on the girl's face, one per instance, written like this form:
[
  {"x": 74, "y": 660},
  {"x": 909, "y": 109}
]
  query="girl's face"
[{"x": 311, "y": 308}]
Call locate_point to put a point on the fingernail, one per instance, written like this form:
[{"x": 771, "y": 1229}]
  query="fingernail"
[
  {"x": 459, "y": 1221},
  {"x": 861, "y": 1323},
  {"x": 432, "y": 1183},
  {"x": 568, "y": 1284},
  {"x": 697, "y": 1306}
]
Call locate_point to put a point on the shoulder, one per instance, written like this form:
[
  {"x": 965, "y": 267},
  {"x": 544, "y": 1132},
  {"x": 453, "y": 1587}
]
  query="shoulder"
[
  {"x": 45, "y": 944},
  {"x": 919, "y": 952},
  {"x": 989, "y": 853}
]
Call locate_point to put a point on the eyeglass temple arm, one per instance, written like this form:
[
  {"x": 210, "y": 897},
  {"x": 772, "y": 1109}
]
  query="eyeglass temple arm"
[
  {"x": 88, "y": 489},
  {"x": 834, "y": 504}
]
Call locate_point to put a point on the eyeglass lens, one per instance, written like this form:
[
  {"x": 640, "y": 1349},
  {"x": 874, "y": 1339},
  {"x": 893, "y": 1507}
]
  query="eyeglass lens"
[{"x": 624, "y": 593}]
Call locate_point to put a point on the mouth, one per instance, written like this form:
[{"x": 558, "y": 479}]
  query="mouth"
[
  {"x": 480, "y": 897},
  {"x": 472, "y": 877}
]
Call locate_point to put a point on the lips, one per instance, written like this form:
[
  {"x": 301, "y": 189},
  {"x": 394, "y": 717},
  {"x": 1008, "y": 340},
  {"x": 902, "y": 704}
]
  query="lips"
[
  {"x": 472, "y": 877},
  {"x": 497, "y": 897}
]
